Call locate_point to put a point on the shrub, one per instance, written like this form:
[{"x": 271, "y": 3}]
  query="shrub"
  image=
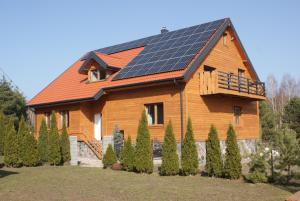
[
  {"x": 170, "y": 163},
  {"x": 2, "y": 133},
  {"x": 213, "y": 154},
  {"x": 22, "y": 132},
  {"x": 118, "y": 141},
  {"x": 54, "y": 155},
  {"x": 65, "y": 145},
  {"x": 127, "y": 156},
  {"x": 43, "y": 142},
  {"x": 258, "y": 166},
  {"x": 110, "y": 157},
  {"x": 143, "y": 150},
  {"x": 11, "y": 151},
  {"x": 189, "y": 152},
  {"x": 31, "y": 155},
  {"x": 232, "y": 164}
]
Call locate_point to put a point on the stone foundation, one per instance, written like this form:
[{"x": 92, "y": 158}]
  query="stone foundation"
[
  {"x": 84, "y": 151},
  {"x": 247, "y": 147}
]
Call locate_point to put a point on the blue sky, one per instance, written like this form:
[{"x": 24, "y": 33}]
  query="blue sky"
[{"x": 40, "y": 39}]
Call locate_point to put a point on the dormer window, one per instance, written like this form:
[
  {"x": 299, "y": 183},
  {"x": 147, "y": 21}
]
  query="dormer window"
[{"x": 96, "y": 74}]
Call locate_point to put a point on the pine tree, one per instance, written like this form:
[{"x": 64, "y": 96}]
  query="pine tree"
[
  {"x": 232, "y": 164},
  {"x": 65, "y": 145},
  {"x": 54, "y": 154},
  {"x": 110, "y": 157},
  {"x": 43, "y": 142},
  {"x": 31, "y": 155},
  {"x": 170, "y": 162},
  {"x": 127, "y": 155},
  {"x": 2, "y": 133},
  {"x": 11, "y": 150},
  {"x": 189, "y": 161},
  {"x": 213, "y": 154},
  {"x": 143, "y": 150}
]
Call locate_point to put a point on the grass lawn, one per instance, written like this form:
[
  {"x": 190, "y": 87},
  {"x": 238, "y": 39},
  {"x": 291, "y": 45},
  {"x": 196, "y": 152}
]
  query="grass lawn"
[{"x": 79, "y": 183}]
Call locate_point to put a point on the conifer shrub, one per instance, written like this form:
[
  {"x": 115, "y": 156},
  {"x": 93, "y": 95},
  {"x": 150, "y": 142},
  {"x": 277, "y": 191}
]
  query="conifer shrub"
[
  {"x": 12, "y": 156},
  {"x": 189, "y": 161},
  {"x": 109, "y": 157},
  {"x": 30, "y": 156},
  {"x": 143, "y": 149},
  {"x": 43, "y": 142},
  {"x": 127, "y": 156},
  {"x": 65, "y": 145},
  {"x": 170, "y": 162},
  {"x": 214, "y": 164},
  {"x": 2, "y": 133},
  {"x": 54, "y": 154},
  {"x": 22, "y": 132},
  {"x": 232, "y": 164}
]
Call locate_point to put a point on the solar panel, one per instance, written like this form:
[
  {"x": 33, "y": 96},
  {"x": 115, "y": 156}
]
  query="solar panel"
[{"x": 165, "y": 52}]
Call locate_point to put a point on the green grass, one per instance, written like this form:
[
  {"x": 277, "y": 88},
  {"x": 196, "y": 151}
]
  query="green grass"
[{"x": 78, "y": 183}]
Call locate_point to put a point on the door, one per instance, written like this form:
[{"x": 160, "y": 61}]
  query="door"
[{"x": 97, "y": 126}]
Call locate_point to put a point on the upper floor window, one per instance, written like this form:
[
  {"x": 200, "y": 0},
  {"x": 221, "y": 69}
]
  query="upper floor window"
[
  {"x": 155, "y": 113},
  {"x": 224, "y": 39},
  {"x": 95, "y": 75},
  {"x": 241, "y": 72},
  {"x": 237, "y": 110},
  {"x": 48, "y": 119},
  {"x": 64, "y": 118}
]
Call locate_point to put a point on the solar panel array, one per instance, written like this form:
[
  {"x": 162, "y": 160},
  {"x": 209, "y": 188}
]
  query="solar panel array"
[{"x": 165, "y": 52}]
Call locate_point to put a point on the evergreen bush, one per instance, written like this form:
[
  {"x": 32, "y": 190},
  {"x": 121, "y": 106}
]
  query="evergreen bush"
[
  {"x": 109, "y": 157},
  {"x": 232, "y": 164},
  {"x": 12, "y": 156},
  {"x": 22, "y": 132},
  {"x": 143, "y": 150},
  {"x": 2, "y": 133},
  {"x": 127, "y": 155},
  {"x": 189, "y": 161},
  {"x": 54, "y": 154},
  {"x": 30, "y": 156},
  {"x": 170, "y": 162},
  {"x": 65, "y": 145},
  {"x": 214, "y": 164},
  {"x": 43, "y": 142}
]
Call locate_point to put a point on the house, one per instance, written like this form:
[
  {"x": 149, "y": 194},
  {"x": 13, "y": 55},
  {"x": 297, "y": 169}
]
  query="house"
[{"x": 202, "y": 72}]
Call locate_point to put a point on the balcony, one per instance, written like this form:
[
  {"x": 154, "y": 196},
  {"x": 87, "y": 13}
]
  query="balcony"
[{"x": 218, "y": 82}]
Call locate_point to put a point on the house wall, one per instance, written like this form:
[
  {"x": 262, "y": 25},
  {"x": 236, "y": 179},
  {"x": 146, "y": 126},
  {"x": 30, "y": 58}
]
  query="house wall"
[
  {"x": 123, "y": 108},
  {"x": 218, "y": 109}
]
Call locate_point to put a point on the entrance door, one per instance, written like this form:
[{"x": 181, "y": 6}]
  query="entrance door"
[{"x": 97, "y": 126}]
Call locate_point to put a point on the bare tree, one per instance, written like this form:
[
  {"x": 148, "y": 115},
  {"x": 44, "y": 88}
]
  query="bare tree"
[{"x": 272, "y": 89}]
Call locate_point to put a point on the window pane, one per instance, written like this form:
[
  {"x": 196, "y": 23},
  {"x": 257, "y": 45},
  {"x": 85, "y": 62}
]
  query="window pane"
[
  {"x": 102, "y": 75},
  {"x": 160, "y": 113},
  {"x": 237, "y": 114},
  {"x": 94, "y": 75},
  {"x": 150, "y": 114}
]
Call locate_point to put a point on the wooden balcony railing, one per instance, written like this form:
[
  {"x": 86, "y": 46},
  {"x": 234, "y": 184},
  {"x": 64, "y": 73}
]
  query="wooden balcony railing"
[{"x": 218, "y": 82}]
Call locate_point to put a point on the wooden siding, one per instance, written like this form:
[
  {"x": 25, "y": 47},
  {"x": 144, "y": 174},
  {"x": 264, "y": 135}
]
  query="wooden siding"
[{"x": 218, "y": 109}]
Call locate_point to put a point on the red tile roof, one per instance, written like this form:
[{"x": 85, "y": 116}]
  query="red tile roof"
[{"x": 71, "y": 85}]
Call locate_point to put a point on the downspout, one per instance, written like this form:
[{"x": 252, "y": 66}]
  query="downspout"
[{"x": 181, "y": 113}]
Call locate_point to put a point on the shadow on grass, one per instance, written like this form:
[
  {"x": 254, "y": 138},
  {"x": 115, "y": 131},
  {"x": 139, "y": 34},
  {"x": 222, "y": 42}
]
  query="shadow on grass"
[
  {"x": 5, "y": 173},
  {"x": 292, "y": 187}
]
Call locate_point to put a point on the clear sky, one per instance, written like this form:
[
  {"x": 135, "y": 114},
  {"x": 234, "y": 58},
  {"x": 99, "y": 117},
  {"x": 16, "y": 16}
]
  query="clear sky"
[{"x": 40, "y": 39}]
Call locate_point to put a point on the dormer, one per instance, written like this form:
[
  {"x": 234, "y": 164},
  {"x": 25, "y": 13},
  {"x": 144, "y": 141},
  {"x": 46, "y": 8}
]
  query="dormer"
[{"x": 96, "y": 68}]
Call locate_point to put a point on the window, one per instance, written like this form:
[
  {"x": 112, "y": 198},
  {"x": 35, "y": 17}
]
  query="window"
[
  {"x": 155, "y": 113},
  {"x": 209, "y": 69},
  {"x": 48, "y": 119},
  {"x": 237, "y": 114},
  {"x": 64, "y": 118},
  {"x": 95, "y": 75},
  {"x": 224, "y": 39},
  {"x": 241, "y": 72}
]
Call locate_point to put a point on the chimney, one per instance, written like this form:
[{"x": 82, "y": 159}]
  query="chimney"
[{"x": 164, "y": 30}]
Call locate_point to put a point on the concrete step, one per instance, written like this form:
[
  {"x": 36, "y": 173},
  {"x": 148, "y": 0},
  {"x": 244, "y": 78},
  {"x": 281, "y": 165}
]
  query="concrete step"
[{"x": 88, "y": 162}]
